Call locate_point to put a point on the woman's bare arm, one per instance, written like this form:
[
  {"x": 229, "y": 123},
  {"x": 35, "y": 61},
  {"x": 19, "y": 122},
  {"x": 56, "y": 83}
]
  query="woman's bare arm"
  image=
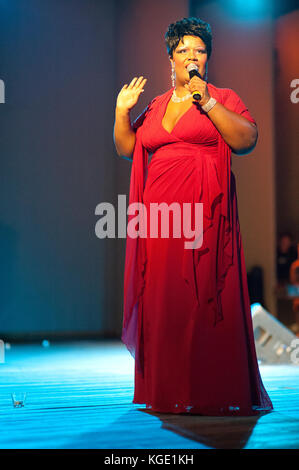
[
  {"x": 237, "y": 131},
  {"x": 123, "y": 135}
]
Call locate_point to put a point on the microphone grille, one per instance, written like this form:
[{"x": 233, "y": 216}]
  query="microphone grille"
[{"x": 192, "y": 67}]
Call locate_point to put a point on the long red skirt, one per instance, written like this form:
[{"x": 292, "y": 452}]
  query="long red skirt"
[{"x": 191, "y": 364}]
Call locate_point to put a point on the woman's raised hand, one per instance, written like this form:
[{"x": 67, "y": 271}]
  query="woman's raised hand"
[{"x": 129, "y": 94}]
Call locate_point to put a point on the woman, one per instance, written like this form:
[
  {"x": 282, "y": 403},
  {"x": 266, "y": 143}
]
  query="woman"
[{"x": 187, "y": 318}]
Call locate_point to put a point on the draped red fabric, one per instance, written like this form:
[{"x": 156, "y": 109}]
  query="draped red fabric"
[{"x": 187, "y": 318}]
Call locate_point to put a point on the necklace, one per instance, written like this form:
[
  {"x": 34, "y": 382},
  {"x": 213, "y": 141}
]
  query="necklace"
[{"x": 177, "y": 99}]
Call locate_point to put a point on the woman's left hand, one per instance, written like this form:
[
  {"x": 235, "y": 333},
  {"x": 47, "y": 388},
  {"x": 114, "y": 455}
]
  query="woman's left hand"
[{"x": 196, "y": 84}]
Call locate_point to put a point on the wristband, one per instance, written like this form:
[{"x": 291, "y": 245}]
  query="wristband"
[{"x": 209, "y": 105}]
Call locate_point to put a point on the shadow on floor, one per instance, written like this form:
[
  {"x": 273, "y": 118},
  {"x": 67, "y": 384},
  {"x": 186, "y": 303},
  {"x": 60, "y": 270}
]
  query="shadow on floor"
[{"x": 216, "y": 432}]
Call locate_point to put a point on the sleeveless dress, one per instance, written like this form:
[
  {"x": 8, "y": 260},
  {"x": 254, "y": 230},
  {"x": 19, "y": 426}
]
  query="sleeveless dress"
[{"x": 187, "y": 317}]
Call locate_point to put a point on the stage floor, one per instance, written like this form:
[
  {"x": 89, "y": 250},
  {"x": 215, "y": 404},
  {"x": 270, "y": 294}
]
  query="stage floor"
[{"x": 79, "y": 396}]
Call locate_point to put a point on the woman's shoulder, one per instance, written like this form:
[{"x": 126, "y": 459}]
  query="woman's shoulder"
[
  {"x": 225, "y": 96},
  {"x": 163, "y": 96},
  {"x": 231, "y": 100},
  {"x": 152, "y": 106},
  {"x": 222, "y": 94}
]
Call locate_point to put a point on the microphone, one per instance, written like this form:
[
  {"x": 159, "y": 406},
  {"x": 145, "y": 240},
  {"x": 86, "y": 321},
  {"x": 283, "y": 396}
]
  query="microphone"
[{"x": 193, "y": 70}]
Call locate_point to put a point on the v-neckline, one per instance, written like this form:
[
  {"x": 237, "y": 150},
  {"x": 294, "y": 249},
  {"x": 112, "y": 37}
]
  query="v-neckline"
[{"x": 163, "y": 114}]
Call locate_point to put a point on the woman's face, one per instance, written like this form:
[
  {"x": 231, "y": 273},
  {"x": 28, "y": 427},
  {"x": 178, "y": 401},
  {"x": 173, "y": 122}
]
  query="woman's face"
[{"x": 192, "y": 50}]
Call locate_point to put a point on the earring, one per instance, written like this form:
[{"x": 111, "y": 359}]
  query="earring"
[
  {"x": 206, "y": 74},
  {"x": 172, "y": 75}
]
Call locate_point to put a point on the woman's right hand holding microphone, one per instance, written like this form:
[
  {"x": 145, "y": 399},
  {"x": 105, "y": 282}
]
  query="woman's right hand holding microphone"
[{"x": 129, "y": 94}]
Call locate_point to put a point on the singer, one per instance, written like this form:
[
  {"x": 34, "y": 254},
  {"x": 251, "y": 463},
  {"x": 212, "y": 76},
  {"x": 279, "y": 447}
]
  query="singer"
[{"x": 187, "y": 318}]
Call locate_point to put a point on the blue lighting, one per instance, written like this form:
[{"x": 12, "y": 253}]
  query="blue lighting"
[
  {"x": 250, "y": 10},
  {"x": 255, "y": 307}
]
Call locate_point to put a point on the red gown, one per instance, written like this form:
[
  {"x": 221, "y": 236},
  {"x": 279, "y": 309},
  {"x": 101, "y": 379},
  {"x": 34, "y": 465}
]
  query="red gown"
[{"x": 187, "y": 317}]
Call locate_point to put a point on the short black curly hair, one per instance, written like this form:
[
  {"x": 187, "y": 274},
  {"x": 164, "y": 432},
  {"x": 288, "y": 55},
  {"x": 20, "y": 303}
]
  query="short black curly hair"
[{"x": 188, "y": 27}]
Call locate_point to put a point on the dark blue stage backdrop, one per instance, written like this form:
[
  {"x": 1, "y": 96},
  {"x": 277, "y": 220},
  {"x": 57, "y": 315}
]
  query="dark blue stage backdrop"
[{"x": 57, "y": 163}]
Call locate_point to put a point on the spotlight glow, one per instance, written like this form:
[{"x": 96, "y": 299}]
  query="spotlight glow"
[
  {"x": 254, "y": 307},
  {"x": 251, "y": 10}
]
